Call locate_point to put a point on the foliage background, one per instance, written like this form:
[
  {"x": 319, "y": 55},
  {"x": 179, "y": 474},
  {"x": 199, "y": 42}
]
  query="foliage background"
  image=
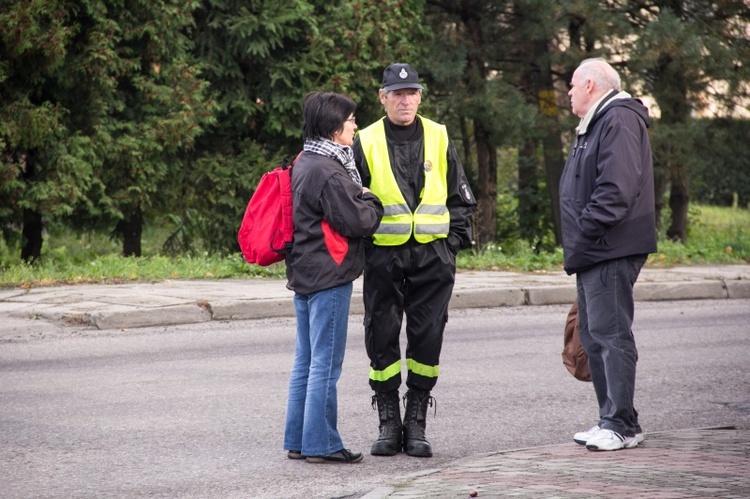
[{"x": 120, "y": 118}]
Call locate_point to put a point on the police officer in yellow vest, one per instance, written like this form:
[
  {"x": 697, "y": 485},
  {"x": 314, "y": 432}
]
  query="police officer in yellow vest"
[{"x": 410, "y": 163}]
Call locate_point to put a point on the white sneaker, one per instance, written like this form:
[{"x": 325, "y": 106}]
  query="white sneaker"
[
  {"x": 583, "y": 436},
  {"x": 610, "y": 440}
]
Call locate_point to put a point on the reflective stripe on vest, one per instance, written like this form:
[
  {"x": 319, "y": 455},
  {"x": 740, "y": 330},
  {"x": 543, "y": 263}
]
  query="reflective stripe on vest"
[{"x": 431, "y": 219}]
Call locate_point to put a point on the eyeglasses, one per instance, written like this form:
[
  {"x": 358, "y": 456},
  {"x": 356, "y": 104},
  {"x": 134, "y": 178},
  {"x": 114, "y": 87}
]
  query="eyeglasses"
[{"x": 352, "y": 120}]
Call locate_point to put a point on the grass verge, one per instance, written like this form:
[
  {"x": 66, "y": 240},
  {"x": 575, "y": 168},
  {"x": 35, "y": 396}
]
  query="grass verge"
[{"x": 717, "y": 236}]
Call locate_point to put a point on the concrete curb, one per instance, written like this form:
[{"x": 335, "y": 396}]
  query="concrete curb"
[
  {"x": 252, "y": 309},
  {"x": 168, "y": 303},
  {"x": 125, "y": 319},
  {"x": 129, "y": 317},
  {"x": 738, "y": 289}
]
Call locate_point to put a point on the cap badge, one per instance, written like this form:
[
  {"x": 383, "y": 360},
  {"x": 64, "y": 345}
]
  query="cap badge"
[{"x": 403, "y": 74}]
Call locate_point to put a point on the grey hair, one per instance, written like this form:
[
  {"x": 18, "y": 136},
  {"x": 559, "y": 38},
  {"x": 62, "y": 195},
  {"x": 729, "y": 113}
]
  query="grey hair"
[
  {"x": 600, "y": 72},
  {"x": 386, "y": 92}
]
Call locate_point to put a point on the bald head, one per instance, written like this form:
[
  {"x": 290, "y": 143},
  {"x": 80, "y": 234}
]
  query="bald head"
[{"x": 592, "y": 79}]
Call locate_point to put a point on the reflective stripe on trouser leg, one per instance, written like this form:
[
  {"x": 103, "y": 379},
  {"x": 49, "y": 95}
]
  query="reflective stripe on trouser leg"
[
  {"x": 416, "y": 281},
  {"x": 427, "y": 292},
  {"x": 386, "y": 374},
  {"x": 383, "y": 300},
  {"x": 422, "y": 369}
]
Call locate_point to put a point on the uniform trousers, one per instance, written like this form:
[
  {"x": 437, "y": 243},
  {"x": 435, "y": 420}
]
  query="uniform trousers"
[{"x": 415, "y": 280}]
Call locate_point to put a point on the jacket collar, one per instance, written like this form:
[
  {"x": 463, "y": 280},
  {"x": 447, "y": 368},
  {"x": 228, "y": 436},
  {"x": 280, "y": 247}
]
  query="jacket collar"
[{"x": 603, "y": 101}]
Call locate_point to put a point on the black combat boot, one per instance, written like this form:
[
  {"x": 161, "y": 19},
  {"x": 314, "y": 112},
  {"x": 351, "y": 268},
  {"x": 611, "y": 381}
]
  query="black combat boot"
[
  {"x": 389, "y": 440},
  {"x": 415, "y": 443}
]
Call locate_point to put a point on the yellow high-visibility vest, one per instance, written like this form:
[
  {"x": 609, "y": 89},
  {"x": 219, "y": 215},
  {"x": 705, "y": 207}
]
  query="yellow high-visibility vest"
[{"x": 431, "y": 219}]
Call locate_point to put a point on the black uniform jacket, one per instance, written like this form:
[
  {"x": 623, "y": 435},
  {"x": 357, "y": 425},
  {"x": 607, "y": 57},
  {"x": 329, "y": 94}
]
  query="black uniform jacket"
[
  {"x": 607, "y": 188},
  {"x": 331, "y": 219}
]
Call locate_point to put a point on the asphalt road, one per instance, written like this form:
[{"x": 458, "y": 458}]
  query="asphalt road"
[{"x": 197, "y": 411}]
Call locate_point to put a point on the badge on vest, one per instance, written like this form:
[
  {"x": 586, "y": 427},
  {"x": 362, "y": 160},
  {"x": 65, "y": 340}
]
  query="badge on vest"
[{"x": 428, "y": 165}]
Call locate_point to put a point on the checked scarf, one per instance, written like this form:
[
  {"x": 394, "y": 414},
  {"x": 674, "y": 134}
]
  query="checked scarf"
[{"x": 342, "y": 154}]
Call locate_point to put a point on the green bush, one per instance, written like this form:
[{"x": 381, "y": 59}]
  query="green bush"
[{"x": 721, "y": 167}]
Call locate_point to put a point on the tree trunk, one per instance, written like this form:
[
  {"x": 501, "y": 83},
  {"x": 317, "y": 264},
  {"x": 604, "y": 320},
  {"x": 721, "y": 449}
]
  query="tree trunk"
[
  {"x": 537, "y": 85},
  {"x": 679, "y": 199},
  {"x": 486, "y": 220},
  {"x": 553, "y": 167},
  {"x": 661, "y": 174},
  {"x": 131, "y": 230},
  {"x": 33, "y": 226},
  {"x": 31, "y": 245},
  {"x": 528, "y": 191},
  {"x": 551, "y": 141},
  {"x": 476, "y": 78},
  {"x": 671, "y": 93}
]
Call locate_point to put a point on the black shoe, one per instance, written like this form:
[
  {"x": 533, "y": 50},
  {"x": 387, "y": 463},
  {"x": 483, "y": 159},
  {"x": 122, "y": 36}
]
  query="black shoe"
[
  {"x": 342, "y": 456},
  {"x": 295, "y": 454}
]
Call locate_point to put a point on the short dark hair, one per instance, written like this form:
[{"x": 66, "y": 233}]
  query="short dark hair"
[{"x": 324, "y": 114}]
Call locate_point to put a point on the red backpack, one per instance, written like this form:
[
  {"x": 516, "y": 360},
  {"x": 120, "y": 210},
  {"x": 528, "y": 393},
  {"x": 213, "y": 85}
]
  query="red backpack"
[{"x": 267, "y": 227}]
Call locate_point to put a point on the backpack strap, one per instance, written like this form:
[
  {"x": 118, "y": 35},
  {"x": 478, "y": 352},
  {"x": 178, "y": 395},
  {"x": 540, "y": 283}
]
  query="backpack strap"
[{"x": 285, "y": 184}]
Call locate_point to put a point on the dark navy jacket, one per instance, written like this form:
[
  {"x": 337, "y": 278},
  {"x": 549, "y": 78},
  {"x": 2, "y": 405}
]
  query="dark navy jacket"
[{"x": 607, "y": 188}]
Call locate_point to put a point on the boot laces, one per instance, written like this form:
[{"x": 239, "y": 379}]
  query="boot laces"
[
  {"x": 419, "y": 401},
  {"x": 389, "y": 403}
]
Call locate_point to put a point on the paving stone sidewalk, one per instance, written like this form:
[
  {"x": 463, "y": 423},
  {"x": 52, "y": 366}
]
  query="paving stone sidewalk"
[{"x": 675, "y": 464}]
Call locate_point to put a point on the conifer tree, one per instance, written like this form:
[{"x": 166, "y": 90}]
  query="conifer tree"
[
  {"x": 262, "y": 58},
  {"x": 691, "y": 55},
  {"x": 101, "y": 99}
]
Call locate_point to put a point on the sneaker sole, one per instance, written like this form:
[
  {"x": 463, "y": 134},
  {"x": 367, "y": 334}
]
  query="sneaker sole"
[
  {"x": 639, "y": 437},
  {"x": 632, "y": 444},
  {"x": 595, "y": 448}
]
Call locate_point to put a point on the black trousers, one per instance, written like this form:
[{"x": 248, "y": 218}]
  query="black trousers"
[{"x": 415, "y": 280}]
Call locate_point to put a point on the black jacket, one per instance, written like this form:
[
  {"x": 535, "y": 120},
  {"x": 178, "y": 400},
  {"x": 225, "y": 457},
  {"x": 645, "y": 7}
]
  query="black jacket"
[
  {"x": 324, "y": 197},
  {"x": 607, "y": 188}
]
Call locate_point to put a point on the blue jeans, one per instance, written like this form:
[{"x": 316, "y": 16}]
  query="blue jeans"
[
  {"x": 605, "y": 318},
  {"x": 312, "y": 407}
]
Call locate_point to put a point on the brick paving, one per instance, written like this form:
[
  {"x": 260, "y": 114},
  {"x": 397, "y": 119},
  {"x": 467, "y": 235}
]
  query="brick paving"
[{"x": 675, "y": 464}]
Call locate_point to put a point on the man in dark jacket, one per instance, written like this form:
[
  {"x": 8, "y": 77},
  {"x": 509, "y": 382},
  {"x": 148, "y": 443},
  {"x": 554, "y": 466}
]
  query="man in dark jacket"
[
  {"x": 609, "y": 228},
  {"x": 410, "y": 263}
]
